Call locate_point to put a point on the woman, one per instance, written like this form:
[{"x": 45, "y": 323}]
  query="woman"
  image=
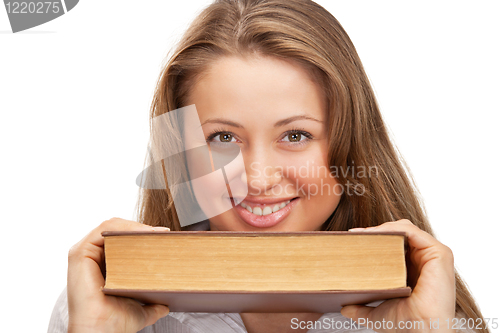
[{"x": 283, "y": 81}]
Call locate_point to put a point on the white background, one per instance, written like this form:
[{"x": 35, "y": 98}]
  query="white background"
[{"x": 74, "y": 99}]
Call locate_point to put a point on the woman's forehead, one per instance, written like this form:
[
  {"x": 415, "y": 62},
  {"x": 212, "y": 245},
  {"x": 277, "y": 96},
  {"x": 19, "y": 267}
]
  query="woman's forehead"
[{"x": 266, "y": 87}]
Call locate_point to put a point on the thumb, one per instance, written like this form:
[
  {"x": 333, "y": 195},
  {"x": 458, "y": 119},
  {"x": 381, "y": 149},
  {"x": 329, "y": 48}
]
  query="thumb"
[
  {"x": 356, "y": 312},
  {"x": 154, "y": 312}
]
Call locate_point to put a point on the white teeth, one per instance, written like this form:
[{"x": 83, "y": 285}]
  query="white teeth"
[
  {"x": 257, "y": 211},
  {"x": 267, "y": 210}
]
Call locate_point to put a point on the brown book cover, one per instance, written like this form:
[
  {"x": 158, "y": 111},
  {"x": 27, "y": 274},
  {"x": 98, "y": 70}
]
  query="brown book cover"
[{"x": 228, "y": 271}]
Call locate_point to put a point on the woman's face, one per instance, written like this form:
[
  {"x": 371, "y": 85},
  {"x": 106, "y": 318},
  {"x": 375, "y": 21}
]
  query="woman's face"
[{"x": 276, "y": 113}]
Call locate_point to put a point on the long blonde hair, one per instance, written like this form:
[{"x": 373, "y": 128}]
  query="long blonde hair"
[{"x": 304, "y": 32}]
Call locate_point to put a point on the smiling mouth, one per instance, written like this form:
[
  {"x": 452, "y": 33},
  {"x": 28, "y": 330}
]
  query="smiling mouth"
[
  {"x": 264, "y": 209},
  {"x": 265, "y": 213}
]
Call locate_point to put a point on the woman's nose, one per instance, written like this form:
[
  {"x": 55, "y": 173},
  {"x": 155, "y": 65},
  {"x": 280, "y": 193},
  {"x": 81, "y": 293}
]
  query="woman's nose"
[{"x": 262, "y": 174}]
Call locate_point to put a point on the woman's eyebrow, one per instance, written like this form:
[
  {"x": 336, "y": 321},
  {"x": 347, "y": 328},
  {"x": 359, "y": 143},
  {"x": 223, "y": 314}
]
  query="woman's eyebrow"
[
  {"x": 288, "y": 120},
  {"x": 221, "y": 121},
  {"x": 279, "y": 123}
]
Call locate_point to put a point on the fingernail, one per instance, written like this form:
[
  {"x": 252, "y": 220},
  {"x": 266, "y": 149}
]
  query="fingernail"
[
  {"x": 356, "y": 229},
  {"x": 161, "y": 229},
  {"x": 348, "y": 311}
]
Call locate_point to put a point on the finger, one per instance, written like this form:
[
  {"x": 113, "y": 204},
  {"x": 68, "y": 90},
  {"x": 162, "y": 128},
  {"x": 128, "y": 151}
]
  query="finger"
[
  {"x": 154, "y": 312},
  {"x": 91, "y": 245},
  {"x": 356, "y": 312},
  {"x": 114, "y": 224},
  {"x": 424, "y": 248},
  {"x": 417, "y": 238},
  {"x": 431, "y": 263},
  {"x": 86, "y": 258}
]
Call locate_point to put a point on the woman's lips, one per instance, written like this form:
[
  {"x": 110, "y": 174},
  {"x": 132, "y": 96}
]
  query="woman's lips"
[{"x": 265, "y": 221}]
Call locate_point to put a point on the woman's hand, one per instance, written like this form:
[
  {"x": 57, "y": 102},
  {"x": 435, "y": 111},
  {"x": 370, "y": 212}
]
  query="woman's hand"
[
  {"x": 89, "y": 309},
  {"x": 432, "y": 274}
]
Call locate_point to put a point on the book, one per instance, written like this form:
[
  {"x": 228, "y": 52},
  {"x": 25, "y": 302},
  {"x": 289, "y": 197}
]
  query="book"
[{"x": 229, "y": 271}]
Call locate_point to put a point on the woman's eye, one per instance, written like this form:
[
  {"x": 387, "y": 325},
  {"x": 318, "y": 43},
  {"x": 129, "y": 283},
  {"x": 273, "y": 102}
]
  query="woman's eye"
[
  {"x": 225, "y": 137},
  {"x": 296, "y": 137},
  {"x": 222, "y": 137}
]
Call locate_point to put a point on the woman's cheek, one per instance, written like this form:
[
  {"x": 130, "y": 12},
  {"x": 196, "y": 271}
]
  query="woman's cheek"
[
  {"x": 307, "y": 170},
  {"x": 313, "y": 183}
]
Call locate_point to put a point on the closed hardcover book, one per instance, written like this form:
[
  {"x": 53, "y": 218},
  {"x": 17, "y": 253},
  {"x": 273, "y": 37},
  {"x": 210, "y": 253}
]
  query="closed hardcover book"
[{"x": 229, "y": 271}]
